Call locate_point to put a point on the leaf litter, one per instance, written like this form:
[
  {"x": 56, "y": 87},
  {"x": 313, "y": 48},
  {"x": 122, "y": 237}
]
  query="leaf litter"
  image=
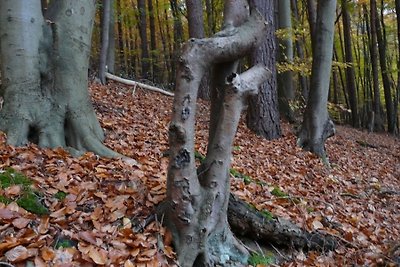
[{"x": 96, "y": 205}]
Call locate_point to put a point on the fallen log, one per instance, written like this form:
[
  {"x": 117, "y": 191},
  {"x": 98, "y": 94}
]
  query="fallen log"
[
  {"x": 134, "y": 83},
  {"x": 247, "y": 222}
]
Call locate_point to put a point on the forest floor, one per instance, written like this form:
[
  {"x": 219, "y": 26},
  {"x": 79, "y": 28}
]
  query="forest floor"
[{"x": 96, "y": 205}]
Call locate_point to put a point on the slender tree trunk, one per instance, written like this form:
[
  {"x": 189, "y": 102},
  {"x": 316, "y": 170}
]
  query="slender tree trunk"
[
  {"x": 312, "y": 16},
  {"x": 111, "y": 41},
  {"x": 382, "y": 43},
  {"x": 285, "y": 79},
  {"x": 317, "y": 126},
  {"x": 196, "y": 212},
  {"x": 350, "y": 76},
  {"x": 153, "y": 43},
  {"x": 121, "y": 56},
  {"x": 300, "y": 52},
  {"x": 47, "y": 100},
  {"x": 178, "y": 34},
  {"x": 105, "y": 34},
  {"x": 378, "y": 120},
  {"x": 262, "y": 114},
  {"x": 143, "y": 39},
  {"x": 196, "y": 30},
  {"x": 398, "y": 63}
]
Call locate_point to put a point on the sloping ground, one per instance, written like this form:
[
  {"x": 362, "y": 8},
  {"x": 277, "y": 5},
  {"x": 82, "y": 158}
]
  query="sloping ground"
[{"x": 97, "y": 222}]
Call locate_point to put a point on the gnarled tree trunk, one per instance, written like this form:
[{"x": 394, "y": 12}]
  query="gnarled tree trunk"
[
  {"x": 45, "y": 80},
  {"x": 196, "y": 207}
]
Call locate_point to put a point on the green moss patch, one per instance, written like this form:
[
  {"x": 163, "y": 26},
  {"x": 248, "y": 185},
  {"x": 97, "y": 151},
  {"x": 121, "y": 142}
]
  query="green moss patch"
[
  {"x": 29, "y": 199},
  {"x": 11, "y": 177}
]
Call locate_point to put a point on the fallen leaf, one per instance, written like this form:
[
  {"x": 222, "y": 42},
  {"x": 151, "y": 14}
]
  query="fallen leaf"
[{"x": 17, "y": 254}]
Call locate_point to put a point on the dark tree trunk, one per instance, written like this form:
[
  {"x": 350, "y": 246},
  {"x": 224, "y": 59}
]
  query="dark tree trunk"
[
  {"x": 105, "y": 34},
  {"x": 196, "y": 30},
  {"x": 312, "y": 16},
  {"x": 153, "y": 43},
  {"x": 178, "y": 34},
  {"x": 285, "y": 78},
  {"x": 317, "y": 126},
  {"x": 121, "y": 56},
  {"x": 300, "y": 52},
  {"x": 47, "y": 100},
  {"x": 350, "y": 76},
  {"x": 378, "y": 120},
  {"x": 111, "y": 41},
  {"x": 262, "y": 113},
  {"x": 196, "y": 211},
  {"x": 387, "y": 88},
  {"x": 397, "y": 3},
  {"x": 143, "y": 39}
]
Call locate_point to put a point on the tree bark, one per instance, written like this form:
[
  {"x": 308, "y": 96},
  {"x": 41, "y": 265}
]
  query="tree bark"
[
  {"x": 312, "y": 17},
  {"x": 285, "y": 78},
  {"x": 153, "y": 44},
  {"x": 350, "y": 76},
  {"x": 317, "y": 126},
  {"x": 196, "y": 30},
  {"x": 47, "y": 100},
  {"x": 299, "y": 43},
  {"x": 262, "y": 113},
  {"x": 196, "y": 212},
  {"x": 397, "y": 6},
  {"x": 111, "y": 41},
  {"x": 143, "y": 39},
  {"x": 387, "y": 88},
  {"x": 378, "y": 120},
  {"x": 105, "y": 34}
]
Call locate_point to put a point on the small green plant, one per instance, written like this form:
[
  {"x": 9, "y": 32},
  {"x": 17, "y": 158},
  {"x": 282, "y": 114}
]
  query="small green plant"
[
  {"x": 278, "y": 192},
  {"x": 267, "y": 215},
  {"x": 246, "y": 179},
  {"x": 64, "y": 242},
  {"x": 261, "y": 259},
  {"x": 199, "y": 156},
  {"x": 60, "y": 195}
]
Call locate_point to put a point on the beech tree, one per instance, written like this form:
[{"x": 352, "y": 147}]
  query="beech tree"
[
  {"x": 317, "y": 126},
  {"x": 198, "y": 203},
  {"x": 45, "y": 79}
]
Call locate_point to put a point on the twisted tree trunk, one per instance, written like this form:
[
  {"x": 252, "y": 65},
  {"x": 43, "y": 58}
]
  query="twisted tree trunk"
[{"x": 196, "y": 206}]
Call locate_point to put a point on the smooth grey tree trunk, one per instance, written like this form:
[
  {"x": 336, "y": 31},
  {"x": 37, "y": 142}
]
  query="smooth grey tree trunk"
[
  {"x": 262, "y": 114},
  {"x": 285, "y": 79},
  {"x": 45, "y": 80},
  {"x": 105, "y": 34},
  {"x": 196, "y": 206},
  {"x": 317, "y": 126},
  {"x": 196, "y": 30}
]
